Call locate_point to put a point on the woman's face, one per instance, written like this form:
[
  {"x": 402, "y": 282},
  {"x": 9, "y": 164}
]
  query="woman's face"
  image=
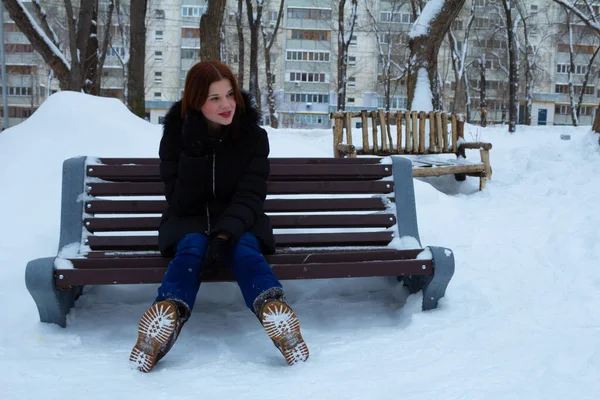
[{"x": 219, "y": 107}]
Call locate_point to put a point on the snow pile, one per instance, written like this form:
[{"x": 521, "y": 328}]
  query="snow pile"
[{"x": 519, "y": 320}]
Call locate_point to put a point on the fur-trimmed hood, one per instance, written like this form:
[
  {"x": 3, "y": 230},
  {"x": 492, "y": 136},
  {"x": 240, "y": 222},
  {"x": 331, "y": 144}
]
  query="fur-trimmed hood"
[{"x": 251, "y": 118}]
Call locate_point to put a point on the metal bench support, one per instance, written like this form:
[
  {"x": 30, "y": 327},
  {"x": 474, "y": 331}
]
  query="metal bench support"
[
  {"x": 433, "y": 286},
  {"x": 53, "y": 305}
]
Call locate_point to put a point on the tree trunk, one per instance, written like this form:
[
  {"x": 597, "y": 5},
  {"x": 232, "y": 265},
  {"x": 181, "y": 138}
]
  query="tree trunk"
[
  {"x": 513, "y": 75},
  {"x": 241, "y": 43},
  {"x": 344, "y": 36},
  {"x": 268, "y": 44},
  {"x": 482, "y": 92},
  {"x": 424, "y": 48},
  {"x": 105, "y": 40},
  {"x": 137, "y": 58},
  {"x": 90, "y": 63},
  {"x": 210, "y": 30},
  {"x": 125, "y": 41},
  {"x": 254, "y": 23}
]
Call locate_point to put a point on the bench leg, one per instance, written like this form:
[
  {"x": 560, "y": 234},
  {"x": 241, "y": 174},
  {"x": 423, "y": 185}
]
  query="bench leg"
[
  {"x": 433, "y": 286},
  {"x": 53, "y": 304}
]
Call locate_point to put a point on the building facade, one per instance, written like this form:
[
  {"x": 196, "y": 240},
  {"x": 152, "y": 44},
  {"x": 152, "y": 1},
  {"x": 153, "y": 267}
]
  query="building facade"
[{"x": 304, "y": 60}]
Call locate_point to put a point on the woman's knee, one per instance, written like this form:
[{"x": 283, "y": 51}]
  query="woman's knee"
[{"x": 193, "y": 243}]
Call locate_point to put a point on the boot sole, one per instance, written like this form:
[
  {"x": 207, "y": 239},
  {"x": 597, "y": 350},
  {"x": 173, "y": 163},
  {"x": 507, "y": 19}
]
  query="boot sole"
[
  {"x": 155, "y": 328},
  {"x": 282, "y": 326}
]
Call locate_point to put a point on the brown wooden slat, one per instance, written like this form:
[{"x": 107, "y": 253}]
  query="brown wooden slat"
[
  {"x": 131, "y": 260},
  {"x": 271, "y": 205},
  {"x": 283, "y": 172},
  {"x": 378, "y": 238},
  {"x": 278, "y": 221},
  {"x": 273, "y": 160},
  {"x": 314, "y": 187},
  {"x": 282, "y": 251},
  {"x": 73, "y": 277}
]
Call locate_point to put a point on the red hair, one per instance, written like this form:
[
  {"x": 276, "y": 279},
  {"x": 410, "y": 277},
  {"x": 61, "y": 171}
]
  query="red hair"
[{"x": 198, "y": 81}]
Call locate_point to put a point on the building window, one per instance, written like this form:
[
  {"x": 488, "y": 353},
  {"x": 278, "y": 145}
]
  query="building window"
[
  {"x": 19, "y": 91},
  {"x": 319, "y": 56},
  {"x": 157, "y": 95},
  {"x": 457, "y": 25},
  {"x": 309, "y": 98},
  {"x": 190, "y": 54},
  {"x": 307, "y": 77},
  {"x": 308, "y": 35},
  {"x": 352, "y": 61},
  {"x": 158, "y": 36},
  {"x": 158, "y": 56},
  {"x": 353, "y": 40},
  {"x": 308, "y": 13},
  {"x": 18, "y": 48},
  {"x": 396, "y": 103},
  {"x": 161, "y": 120},
  {"x": 114, "y": 51},
  {"x": 190, "y": 33},
  {"x": 192, "y": 11},
  {"x": 565, "y": 109},
  {"x": 352, "y": 82},
  {"x": 564, "y": 89},
  {"x": 157, "y": 77},
  {"x": 350, "y": 99},
  {"x": 159, "y": 14},
  {"x": 534, "y": 7}
]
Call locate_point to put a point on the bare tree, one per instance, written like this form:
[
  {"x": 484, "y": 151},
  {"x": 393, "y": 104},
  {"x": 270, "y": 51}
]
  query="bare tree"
[
  {"x": 427, "y": 35},
  {"x": 459, "y": 64},
  {"x": 210, "y": 30},
  {"x": 268, "y": 44},
  {"x": 584, "y": 11},
  {"x": 391, "y": 46},
  {"x": 66, "y": 63},
  {"x": 344, "y": 37}
]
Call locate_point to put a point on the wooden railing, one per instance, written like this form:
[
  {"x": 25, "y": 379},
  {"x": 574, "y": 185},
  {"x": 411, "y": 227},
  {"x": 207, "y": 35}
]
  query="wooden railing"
[{"x": 419, "y": 133}]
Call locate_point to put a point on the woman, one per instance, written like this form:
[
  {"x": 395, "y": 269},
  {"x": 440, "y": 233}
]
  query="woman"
[{"x": 213, "y": 162}]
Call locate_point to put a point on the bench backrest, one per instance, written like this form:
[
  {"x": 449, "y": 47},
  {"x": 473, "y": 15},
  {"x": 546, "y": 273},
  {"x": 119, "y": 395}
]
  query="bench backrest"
[
  {"x": 312, "y": 202},
  {"x": 400, "y": 132}
]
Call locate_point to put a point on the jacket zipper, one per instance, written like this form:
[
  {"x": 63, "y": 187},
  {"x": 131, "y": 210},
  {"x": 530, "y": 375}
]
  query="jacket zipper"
[{"x": 214, "y": 194}]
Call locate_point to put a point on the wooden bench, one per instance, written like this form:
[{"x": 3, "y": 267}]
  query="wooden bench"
[
  {"x": 360, "y": 212},
  {"x": 421, "y": 138}
]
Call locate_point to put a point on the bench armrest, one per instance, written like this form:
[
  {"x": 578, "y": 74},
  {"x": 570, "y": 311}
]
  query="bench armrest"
[{"x": 475, "y": 145}]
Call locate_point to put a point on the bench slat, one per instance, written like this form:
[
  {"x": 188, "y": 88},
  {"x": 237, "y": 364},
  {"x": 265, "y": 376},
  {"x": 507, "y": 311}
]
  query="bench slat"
[
  {"x": 313, "y": 187},
  {"x": 271, "y": 205},
  {"x": 380, "y": 220},
  {"x": 300, "y": 257},
  {"x": 273, "y": 160},
  {"x": 377, "y": 238},
  {"x": 72, "y": 277},
  {"x": 283, "y": 172}
]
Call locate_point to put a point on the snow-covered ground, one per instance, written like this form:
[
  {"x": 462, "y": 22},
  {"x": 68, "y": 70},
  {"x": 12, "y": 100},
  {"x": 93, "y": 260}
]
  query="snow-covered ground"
[{"x": 520, "y": 320}]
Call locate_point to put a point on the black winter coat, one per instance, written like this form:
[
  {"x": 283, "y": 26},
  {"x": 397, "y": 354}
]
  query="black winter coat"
[{"x": 223, "y": 191}]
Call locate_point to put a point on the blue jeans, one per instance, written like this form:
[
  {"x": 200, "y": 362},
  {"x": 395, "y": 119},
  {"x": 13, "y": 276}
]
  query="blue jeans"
[{"x": 250, "y": 269}]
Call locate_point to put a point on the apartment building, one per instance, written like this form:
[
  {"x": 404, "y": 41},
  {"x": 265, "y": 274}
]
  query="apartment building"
[
  {"x": 304, "y": 60},
  {"x": 29, "y": 81}
]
